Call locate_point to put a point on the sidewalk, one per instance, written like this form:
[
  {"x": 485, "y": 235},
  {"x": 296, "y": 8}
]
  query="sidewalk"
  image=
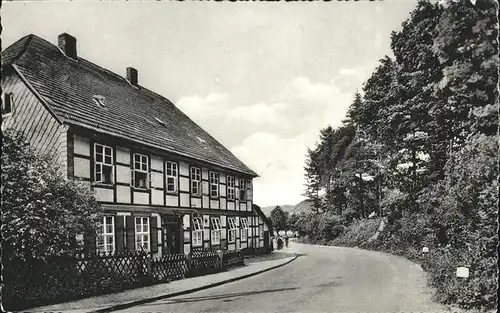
[{"x": 122, "y": 300}]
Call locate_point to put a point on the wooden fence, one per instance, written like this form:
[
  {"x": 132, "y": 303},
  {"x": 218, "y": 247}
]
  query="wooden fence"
[{"x": 42, "y": 282}]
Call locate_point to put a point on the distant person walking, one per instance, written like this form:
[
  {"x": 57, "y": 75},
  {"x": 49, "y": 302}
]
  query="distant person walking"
[{"x": 286, "y": 241}]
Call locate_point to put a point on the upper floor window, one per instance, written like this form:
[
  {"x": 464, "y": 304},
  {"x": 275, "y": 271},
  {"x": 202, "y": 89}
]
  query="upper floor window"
[
  {"x": 171, "y": 176},
  {"x": 106, "y": 235},
  {"x": 103, "y": 164},
  {"x": 243, "y": 190},
  {"x": 7, "y": 103},
  {"x": 195, "y": 181},
  {"x": 140, "y": 177},
  {"x": 232, "y": 229},
  {"x": 197, "y": 232},
  {"x": 214, "y": 184},
  {"x": 216, "y": 231},
  {"x": 230, "y": 188},
  {"x": 142, "y": 233}
]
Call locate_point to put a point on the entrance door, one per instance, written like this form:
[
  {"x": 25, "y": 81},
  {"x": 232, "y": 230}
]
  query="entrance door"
[{"x": 171, "y": 231}]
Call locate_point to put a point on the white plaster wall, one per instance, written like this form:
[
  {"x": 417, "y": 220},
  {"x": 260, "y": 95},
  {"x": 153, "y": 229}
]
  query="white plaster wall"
[
  {"x": 81, "y": 145},
  {"x": 123, "y": 194},
  {"x": 81, "y": 167}
]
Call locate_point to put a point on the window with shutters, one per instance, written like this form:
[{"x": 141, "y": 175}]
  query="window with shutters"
[
  {"x": 106, "y": 235},
  {"x": 216, "y": 229},
  {"x": 231, "y": 221},
  {"x": 140, "y": 172},
  {"x": 171, "y": 177},
  {"x": 214, "y": 184},
  {"x": 195, "y": 181},
  {"x": 103, "y": 164},
  {"x": 243, "y": 190},
  {"x": 197, "y": 232},
  {"x": 244, "y": 229},
  {"x": 7, "y": 103},
  {"x": 230, "y": 187},
  {"x": 142, "y": 233}
]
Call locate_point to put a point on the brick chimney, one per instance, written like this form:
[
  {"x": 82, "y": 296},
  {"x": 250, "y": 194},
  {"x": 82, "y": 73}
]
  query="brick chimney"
[
  {"x": 132, "y": 76},
  {"x": 67, "y": 44}
]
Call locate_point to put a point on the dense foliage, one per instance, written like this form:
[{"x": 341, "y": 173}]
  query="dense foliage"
[
  {"x": 42, "y": 212},
  {"x": 420, "y": 147}
]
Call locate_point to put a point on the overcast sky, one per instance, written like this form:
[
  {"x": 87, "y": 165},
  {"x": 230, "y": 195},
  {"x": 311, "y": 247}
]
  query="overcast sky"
[{"x": 262, "y": 78}]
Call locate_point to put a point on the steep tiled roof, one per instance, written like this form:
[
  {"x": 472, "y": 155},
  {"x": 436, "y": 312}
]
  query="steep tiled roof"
[{"x": 68, "y": 87}]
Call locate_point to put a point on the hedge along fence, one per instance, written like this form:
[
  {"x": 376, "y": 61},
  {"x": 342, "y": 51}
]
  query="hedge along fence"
[{"x": 59, "y": 279}]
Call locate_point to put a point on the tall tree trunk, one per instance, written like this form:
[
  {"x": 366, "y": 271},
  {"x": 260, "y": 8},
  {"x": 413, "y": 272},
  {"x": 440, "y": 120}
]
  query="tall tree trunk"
[{"x": 361, "y": 195}]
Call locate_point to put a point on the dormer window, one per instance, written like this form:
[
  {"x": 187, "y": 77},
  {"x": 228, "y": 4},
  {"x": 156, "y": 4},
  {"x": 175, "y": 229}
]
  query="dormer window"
[
  {"x": 103, "y": 164},
  {"x": 99, "y": 100},
  {"x": 7, "y": 103},
  {"x": 140, "y": 172},
  {"x": 159, "y": 121}
]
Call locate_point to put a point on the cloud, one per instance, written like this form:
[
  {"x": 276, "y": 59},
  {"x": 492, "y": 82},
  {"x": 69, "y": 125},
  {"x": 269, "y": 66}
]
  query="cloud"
[
  {"x": 280, "y": 163},
  {"x": 272, "y": 137}
]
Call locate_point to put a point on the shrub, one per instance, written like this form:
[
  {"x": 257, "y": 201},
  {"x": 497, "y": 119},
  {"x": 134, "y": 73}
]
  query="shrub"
[{"x": 42, "y": 211}]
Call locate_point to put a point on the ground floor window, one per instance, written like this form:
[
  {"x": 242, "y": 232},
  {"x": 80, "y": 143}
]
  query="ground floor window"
[
  {"x": 197, "y": 232},
  {"x": 142, "y": 233},
  {"x": 244, "y": 229},
  {"x": 106, "y": 235},
  {"x": 232, "y": 229},
  {"x": 216, "y": 229}
]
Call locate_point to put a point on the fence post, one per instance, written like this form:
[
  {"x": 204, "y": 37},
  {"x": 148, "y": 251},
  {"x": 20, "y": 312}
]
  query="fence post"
[
  {"x": 148, "y": 264},
  {"x": 221, "y": 257},
  {"x": 189, "y": 263}
]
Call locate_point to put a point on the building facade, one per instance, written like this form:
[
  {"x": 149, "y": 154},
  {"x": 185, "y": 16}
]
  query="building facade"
[{"x": 165, "y": 185}]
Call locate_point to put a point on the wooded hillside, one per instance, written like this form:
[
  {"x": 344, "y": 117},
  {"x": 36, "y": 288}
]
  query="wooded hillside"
[{"x": 419, "y": 145}]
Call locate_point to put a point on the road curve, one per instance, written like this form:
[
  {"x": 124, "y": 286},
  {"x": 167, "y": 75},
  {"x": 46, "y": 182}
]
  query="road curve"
[{"x": 322, "y": 279}]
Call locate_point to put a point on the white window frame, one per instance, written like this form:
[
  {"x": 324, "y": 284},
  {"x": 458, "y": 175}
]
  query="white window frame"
[
  {"x": 195, "y": 175},
  {"x": 142, "y": 236},
  {"x": 99, "y": 165},
  {"x": 104, "y": 234},
  {"x": 143, "y": 163},
  {"x": 216, "y": 231},
  {"x": 172, "y": 174},
  {"x": 231, "y": 235},
  {"x": 242, "y": 190},
  {"x": 261, "y": 231},
  {"x": 243, "y": 229},
  {"x": 197, "y": 232},
  {"x": 230, "y": 187},
  {"x": 214, "y": 184}
]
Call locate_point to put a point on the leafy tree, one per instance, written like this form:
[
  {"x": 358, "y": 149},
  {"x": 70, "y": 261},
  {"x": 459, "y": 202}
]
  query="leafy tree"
[
  {"x": 466, "y": 44},
  {"x": 293, "y": 220},
  {"x": 42, "y": 212},
  {"x": 279, "y": 218}
]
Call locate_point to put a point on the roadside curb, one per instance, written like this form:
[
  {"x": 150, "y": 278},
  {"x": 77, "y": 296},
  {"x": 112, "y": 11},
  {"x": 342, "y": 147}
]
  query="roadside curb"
[{"x": 188, "y": 291}]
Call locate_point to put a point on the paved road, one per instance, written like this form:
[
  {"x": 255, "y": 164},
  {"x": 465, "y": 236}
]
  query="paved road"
[{"x": 322, "y": 279}]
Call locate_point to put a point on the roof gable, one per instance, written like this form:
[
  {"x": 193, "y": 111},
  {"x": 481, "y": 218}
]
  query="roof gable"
[{"x": 69, "y": 87}]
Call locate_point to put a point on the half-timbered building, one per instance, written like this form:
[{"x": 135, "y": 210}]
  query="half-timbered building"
[{"x": 165, "y": 184}]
